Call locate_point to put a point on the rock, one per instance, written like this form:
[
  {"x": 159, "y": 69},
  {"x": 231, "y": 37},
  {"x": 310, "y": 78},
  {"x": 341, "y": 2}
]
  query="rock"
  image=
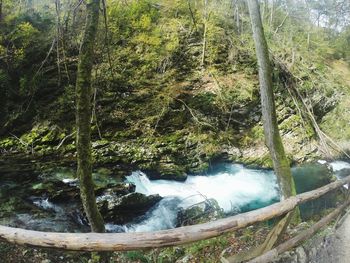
[
  {"x": 231, "y": 152},
  {"x": 298, "y": 229},
  {"x": 343, "y": 172},
  {"x": 301, "y": 255},
  {"x": 313, "y": 252},
  {"x": 56, "y": 190},
  {"x": 185, "y": 259},
  {"x": 67, "y": 189},
  {"x": 208, "y": 210},
  {"x": 167, "y": 171},
  {"x": 118, "y": 189},
  {"x": 124, "y": 209},
  {"x": 287, "y": 257}
]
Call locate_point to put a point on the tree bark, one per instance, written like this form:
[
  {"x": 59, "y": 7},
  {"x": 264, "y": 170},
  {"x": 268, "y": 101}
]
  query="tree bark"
[
  {"x": 83, "y": 115},
  {"x": 272, "y": 136}
]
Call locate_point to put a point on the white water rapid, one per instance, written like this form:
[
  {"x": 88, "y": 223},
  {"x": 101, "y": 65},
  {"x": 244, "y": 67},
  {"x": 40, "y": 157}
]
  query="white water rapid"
[{"x": 236, "y": 188}]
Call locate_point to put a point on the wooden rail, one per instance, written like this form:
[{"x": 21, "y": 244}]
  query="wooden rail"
[
  {"x": 163, "y": 238},
  {"x": 269, "y": 256}
]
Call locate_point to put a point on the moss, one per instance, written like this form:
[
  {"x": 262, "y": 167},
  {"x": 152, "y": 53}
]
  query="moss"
[
  {"x": 264, "y": 161},
  {"x": 11, "y": 205},
  {"x": 9, "y": 143},
  {"x": 290, "y": 123}
]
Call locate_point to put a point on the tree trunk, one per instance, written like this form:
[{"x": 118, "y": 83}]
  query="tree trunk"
[
  {"x": 272, "y": 136},
  {"x": 3, "y": 105},
  {"x": 204, "y": 32},
  {"x": 271, "y": 13},
  {"x": 0, "y": 10},
  {"x": 83, "y": 115}
]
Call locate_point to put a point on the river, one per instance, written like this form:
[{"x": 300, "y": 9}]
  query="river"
[{"x": 235, "y": 187}]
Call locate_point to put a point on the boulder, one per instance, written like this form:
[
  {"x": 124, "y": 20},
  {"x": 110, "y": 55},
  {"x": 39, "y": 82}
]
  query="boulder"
[
  {"x": 56, "y": 190},
  {"x": 167, "y": 171},
  {"x": 343, "y": 172},
  {"x": 117, "y": 189},
  {"x": 123, "y": 209},
  {"x": 208, "y": 210}
]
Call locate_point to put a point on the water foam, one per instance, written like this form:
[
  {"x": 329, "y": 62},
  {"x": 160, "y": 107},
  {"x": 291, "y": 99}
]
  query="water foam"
[
  {"x": 236, "y": 189},
  {"x": 339, "y": 165},
  {"x": 233, "y": 189}
]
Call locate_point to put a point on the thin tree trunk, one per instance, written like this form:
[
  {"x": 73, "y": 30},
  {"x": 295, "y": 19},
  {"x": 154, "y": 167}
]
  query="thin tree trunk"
[
  {"x": 58, "y": 33},
  {"x": 237, "y": 19},
  {"x": 271, "y": 13},
  {"x": 83, "y": 115},
  {"x": 3, "y": 106},
  {"x": 204, "y": 32},
  {"x": 0, "y": 10}
]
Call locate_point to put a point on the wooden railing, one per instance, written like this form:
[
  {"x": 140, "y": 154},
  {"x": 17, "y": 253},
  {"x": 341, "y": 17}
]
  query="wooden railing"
[{"x": 163, "y": 238}]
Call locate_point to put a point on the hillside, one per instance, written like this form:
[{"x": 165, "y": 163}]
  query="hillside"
[{"x": 162, "y": 102}]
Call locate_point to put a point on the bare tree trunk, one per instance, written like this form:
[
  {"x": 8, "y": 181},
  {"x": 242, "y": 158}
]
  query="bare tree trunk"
[
  {"x": 204, "y": 32},
  {"x": 83, "y": 115},
  {"x": 58, "y": 35},
  {"x": 237, "y": 18},
  {"x": 271, "y": 13}
]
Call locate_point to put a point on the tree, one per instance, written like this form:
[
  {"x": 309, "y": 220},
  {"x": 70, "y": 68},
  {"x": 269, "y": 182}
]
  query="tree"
[
  {"x": 272, "y": 136},
  {"x": 83, "y": 116},
  {"x": 0, "y": 10}
]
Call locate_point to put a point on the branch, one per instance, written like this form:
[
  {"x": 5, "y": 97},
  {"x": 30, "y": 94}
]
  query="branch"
[{"x": 284, "y": 20}]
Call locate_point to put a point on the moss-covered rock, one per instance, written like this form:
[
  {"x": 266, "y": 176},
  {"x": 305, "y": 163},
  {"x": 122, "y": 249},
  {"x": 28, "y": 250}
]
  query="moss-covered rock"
[
  {"x": 208, "y": 210},
  {"x": 121, "y": 210}
]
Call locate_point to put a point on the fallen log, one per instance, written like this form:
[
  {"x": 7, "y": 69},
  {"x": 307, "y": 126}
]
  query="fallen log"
[{"x": 163, "y": 238}]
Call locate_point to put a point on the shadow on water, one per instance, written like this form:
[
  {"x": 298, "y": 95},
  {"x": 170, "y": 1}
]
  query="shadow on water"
[{"x": 308, "y": 177}]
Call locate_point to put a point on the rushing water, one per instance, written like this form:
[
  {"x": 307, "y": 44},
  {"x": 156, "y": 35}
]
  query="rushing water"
[{"x": 236, "y": 188}]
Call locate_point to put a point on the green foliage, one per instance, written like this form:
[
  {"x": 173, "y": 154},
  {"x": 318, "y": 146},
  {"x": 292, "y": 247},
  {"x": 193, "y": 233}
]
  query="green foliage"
[{"x": 153, "y": 86}]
